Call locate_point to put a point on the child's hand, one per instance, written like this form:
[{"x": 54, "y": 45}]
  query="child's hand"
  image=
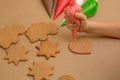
[{"x": 83, "y": 22}]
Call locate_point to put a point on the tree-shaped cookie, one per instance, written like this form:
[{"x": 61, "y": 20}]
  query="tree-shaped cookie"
[
  {"x": 41, "y": 70},
  {"x": 40, "y": 31},
  {"x": 16, "y": 54},
  {"x": 48, "y": 49},
  {"x": 9, "y": 35}
]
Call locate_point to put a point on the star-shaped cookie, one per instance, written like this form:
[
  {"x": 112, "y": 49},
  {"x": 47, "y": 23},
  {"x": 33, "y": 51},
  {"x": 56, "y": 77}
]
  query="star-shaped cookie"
[
  {"x": 9, "y": 34},
  {"x": 16, "y": 54},
  {"x": 40, "y": 31},
  {"x": 48, "y": 49},
  {"x": 41, "y": 70}
]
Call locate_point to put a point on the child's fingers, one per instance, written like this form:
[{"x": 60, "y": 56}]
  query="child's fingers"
[
  {"x": 80, "y": 16},
  {"x": 71, "y": 26},
  {"x": 67, "y": 20}
]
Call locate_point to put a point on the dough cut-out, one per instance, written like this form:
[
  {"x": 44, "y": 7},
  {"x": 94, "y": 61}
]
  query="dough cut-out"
[
  {"x": 41, "y": 70},
  {"x": 48, "y": 49},
  {"x": 16, "y": 54},
  {"x": 40, "y": 31},
  {"x": 81, "y": 46},
  {"x": 66, "y": 77},
  {"x": 9, "y": 35}
]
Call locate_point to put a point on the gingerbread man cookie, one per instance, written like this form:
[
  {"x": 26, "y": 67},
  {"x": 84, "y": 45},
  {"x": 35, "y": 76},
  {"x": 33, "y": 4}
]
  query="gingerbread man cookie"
[
  {"x": 40, "y": 31},
  {"x": 9, "y": 35}
]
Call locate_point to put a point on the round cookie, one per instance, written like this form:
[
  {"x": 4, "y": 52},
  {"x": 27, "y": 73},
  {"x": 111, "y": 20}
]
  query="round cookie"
[
  {"x": 82, "y": 45},
  {"x": 66, "y": 77}
]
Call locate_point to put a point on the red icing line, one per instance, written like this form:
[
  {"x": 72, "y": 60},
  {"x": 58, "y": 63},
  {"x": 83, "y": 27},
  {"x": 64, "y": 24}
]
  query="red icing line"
[
  {"x": 70, "y": 12},
  {"x": 72, "y": 49},
  {"x": 61, "y": 5}
]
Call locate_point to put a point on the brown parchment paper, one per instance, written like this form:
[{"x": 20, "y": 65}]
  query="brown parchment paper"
[{"x": 102, "y": 64}]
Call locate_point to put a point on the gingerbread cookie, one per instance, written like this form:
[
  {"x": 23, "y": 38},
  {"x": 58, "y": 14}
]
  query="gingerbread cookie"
[
  {"x": 66, "y": 77},
  {"x": 48, "y": 49},
  {"x": 9, "y": 35},
  {"x": 16, "y": 54},
  {"x": 40, "y": 31},
  {"x": 41, "y": 70},
  {"x": 81, "y": 46}
]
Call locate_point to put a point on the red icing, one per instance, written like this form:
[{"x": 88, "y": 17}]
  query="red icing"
[
  {"x": 73, "y": 49},
  {"x": 70, "y": 12},
  {"x": 60, "y": 6}
]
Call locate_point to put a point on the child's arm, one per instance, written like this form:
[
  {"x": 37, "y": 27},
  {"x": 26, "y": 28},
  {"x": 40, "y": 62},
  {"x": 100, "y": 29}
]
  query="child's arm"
[{"x": 111, "y": 29}]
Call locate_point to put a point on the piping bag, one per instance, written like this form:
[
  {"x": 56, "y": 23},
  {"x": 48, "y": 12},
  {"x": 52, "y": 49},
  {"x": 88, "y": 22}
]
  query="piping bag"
[
  {"x": 70, "y": 13},
  {"x": 49, "y": 4},
  {"x": 89, "y": 8},
  {"x": 61, "y": 4}
]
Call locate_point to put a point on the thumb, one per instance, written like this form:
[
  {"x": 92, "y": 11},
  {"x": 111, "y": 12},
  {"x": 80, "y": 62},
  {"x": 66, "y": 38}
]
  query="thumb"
[{"x": 80, "y": 16}]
